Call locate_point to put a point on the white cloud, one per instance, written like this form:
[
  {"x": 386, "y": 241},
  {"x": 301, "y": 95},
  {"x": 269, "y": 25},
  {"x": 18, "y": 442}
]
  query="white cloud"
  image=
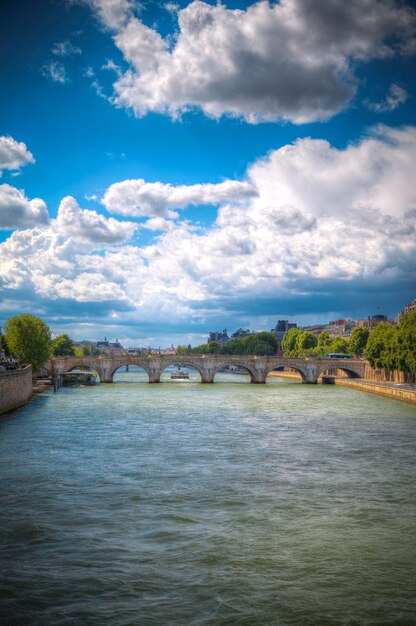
[
  {"x": 13, "y": 154},
  {"x": 110, "y": 66},
  {"x": 375, "y": 174},
  {"x": 325, "y": 225},
  {"x": 139, "y": 198},
  {"x": 65, "y": 49},
  {"x": 90, "y": 226},
  {"x": 395, "y": 97},
  {"x": 290, "y": 60},
  {"x": 55, "y": 71},
  {"x": 112, "y": 13},
  {"x": 17, "y": 211},
  {"x": 159, "y": 223}
]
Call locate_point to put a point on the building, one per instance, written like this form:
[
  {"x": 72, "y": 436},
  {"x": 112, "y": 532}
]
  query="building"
[
  {"x": 316, "y": 329},
  {"x": 371, "y": 322},
  {"x": 110, "y": 347},
  {"x": 222, "y": 337},
  {"x": 281, "y": 328},
  {"x": 408, "y": 308},
  {"x": 240, "y": 333},
  {"x": 340, "y": 328}
]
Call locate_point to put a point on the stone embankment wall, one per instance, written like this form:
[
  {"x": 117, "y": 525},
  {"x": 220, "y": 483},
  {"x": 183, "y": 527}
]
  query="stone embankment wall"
[
  {"x": 15, "y": 388},
  {"x": 387, "y": 390},
  {"x": 394, "y": 376}
]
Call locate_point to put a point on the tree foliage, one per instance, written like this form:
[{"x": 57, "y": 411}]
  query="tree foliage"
[
  {"x": 383, "y": 349},
  {"x": 305, "y": 341},
  {"x": 29, "y": 339},
  {"x": 406, "y": 343},
  {"x": 358, "y": 340},
  {"x": 340, "y": 345},
  {"x": 262, "y": 344},
  {"x": 324, "y": 343},
  {"x": 289, "y": 340},
  {"x": 62, "y": 345}
]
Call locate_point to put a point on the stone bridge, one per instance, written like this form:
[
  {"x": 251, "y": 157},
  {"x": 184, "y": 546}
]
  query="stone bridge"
[{"x": 257, "y": 367}]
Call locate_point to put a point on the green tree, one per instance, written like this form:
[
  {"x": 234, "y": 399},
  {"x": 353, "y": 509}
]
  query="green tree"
[
  {"x": 213, "y": 347},
  {"x": 376, "y": 350},
  {"x": 289, "y": 341},
  {"x": 62, "y": 345},
  {"x": 358, "y": 340},
  {"x": 406, "y": 343},
  {"x": 340, "y": 344},
  {"x": 262, "y": 344},
  {"x": 86, "y": 349},
  {"x": 29, "y": 339},
  {"x": 324, "y": 343},
  {"x": 305, "y": 341}
]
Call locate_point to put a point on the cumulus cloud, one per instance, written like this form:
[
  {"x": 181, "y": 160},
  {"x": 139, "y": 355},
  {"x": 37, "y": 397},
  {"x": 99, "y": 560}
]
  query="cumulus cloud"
[
  {"x": 113, "y": 14},
  {"x": 55, "y": 71},
  {"x": 139, "y": 198},
  {"x": 313, "y": 176},
  {"x": 13, "y": 154},
  {"x": 290, "y": 60},
  {"x": 17, "y": 211},
  {"x": 395, "y": 97},
  {"x": 65, "y": 49},
  {"x": 90, "y": 226},
  {"x": 325, "y": 226}
]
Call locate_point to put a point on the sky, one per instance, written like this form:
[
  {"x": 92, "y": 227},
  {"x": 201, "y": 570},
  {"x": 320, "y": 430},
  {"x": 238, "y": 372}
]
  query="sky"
[{"x": 170, "y": 169}]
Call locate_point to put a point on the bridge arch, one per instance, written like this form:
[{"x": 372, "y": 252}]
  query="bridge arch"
[
  {"x": 253, "y": 375},
  {"x": 124, "y": 363},
  {"x": 349, "y": 371},
  {"x": 128, "y": 365},
  {"x": 281, "y": 367},
  {"x": 186, "y": 363}
]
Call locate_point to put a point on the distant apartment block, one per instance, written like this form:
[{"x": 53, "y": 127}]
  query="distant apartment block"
[
  {"x": 316, "y": 329},
  {"x": 281, "y": 328},
  {"x": 371, "y": 322},
  {"x": 240, "y": 333},
  {"x": 408, "y": 308},
  {"x": 221, "y": 337},
  {"x": 340, "y": 328}
]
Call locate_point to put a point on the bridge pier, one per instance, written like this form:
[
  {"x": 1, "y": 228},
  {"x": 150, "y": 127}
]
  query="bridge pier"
[
  {"x": 154, "y": 375},
  {"x": 207, "y": 375},
  {"x": 259, "y": 379},
  {"x": 311, "y": 375}
]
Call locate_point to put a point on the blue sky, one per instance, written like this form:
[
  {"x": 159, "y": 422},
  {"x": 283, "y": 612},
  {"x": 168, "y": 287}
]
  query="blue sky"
[{"x": 174, "y": 168}]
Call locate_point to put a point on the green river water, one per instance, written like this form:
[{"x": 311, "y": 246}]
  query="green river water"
[{"x": 226, "y": 504}]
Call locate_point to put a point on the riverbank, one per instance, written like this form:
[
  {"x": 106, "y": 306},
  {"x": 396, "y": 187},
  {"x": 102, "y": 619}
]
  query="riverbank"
[
  {"x": 293, "y": 375},
  {"x": 15, "y": 388},
  {"x": 398, "y": 391},
  {"x": 406, "y": 393}
]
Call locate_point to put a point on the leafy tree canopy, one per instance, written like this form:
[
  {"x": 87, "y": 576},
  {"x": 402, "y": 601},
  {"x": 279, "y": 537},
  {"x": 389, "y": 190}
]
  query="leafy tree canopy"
[
  {"x": 377, "y": 348},
  {"x": 29, "y": 339},
  {"x": 305, "y": 340},
  {"x": 290, "y": 339},
  {"x": 62, "y": 345},
  {"x": 340, "y": 344},
  {"x": 358, "y": 340},
  {"x": 406, "y": 343}
]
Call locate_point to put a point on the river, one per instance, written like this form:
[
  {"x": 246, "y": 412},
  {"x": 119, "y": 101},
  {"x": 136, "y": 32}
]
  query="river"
[{"x": 224, "y": 504}]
